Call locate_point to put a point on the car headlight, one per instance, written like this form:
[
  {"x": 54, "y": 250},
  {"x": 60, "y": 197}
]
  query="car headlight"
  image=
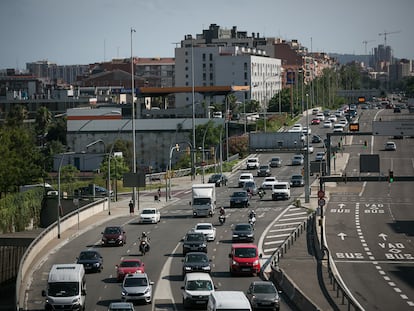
[
  {"x": 124, "y": 293},
  {"x": 206, "y": 268},
  {"x": 96, "y": 264},
  {"x": 256, "y": 262},
  {"x": 203, "y": 245},
  {"x": 49, "y": 300},
  {"x": 250, "y": 235},
  {"x": 146, "y": 290},
  {"x": 235, "y": 235},
  {"x": 76, "y": 301},
  {"x": 104, "y": 238},
  {"x": 187, "y": 268},
  {"x": 234, "y": 263}
]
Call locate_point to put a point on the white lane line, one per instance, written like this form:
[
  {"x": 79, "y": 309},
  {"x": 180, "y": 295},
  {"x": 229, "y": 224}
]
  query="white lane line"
[
  {"x": 288, "y": 224},
  {"x": 274, "y": 242},
  {"x": 294, "y": 218},
  {"x": 277, "y": 236},
  {"x": 283, "y": 229}
]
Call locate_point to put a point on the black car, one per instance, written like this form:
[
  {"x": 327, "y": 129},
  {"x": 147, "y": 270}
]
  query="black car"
[
  {"x": 264, "y": 171},
  {"x": 263, "y": 295},
  {"x": 218, "y": 179},
  {"x": 194, "y": 242},
  {"x": 113, "y": 236},
  {"x": 239, "y": 199},
  {"x": 91, "y": 260},
  {"x": 196, "y": 262},
  {"x": 316, "y": 139},
  {"x": 243, "y": 232},
  {"x": 297, "y": 181}
]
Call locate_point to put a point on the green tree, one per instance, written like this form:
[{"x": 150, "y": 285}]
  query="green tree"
[
  {"x": 17, "y": 115},
  {"x": 42, "y": 121}
]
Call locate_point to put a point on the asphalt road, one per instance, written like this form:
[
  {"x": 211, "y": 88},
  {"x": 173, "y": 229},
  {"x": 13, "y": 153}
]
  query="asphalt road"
[{"x": 369, "y": 226}]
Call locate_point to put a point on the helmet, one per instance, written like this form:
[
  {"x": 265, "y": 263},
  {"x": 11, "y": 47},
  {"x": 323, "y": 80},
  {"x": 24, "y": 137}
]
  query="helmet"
[{"x": 143, "y": 234}]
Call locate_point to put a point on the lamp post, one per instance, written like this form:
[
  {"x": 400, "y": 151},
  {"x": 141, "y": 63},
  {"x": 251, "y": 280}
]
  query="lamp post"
[
  {"x": 307, "y": 185},
  {"x": 59, "y": 206},
  {"x": 109, "y": 170},
  {"x": 134, "y": 164},
  {"x": 204, "y": 138},
  {"x": 193, "y": 155},
  {"x": 176, "y": 147}
]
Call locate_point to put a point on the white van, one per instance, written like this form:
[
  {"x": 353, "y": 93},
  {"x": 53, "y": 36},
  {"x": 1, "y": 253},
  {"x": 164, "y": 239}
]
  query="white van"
[
  {"x": 66, "y": 287},
  {"x": 228, "y": 300}
]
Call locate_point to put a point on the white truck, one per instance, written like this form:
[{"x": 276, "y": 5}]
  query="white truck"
[
  {"x": 203, "y": 199},
  {"x": 281, "y": 190}
]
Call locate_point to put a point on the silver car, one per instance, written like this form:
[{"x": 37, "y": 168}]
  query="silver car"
[
  {"x": 137, "y": 287},
  {"x": 297, "y": 159}
]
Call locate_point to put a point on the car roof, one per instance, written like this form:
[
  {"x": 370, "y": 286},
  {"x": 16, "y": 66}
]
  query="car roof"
[
  {"x": 137, "y": 275},
  {"x": 243, "y": 245},
  {"x": 198, "y": 276}
]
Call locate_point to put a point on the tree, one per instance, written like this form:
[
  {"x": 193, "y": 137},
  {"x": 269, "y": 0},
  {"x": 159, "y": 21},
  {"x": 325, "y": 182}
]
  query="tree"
[
  {"x": 16, "y": 116},
  {"x": 42, "y": 121}
]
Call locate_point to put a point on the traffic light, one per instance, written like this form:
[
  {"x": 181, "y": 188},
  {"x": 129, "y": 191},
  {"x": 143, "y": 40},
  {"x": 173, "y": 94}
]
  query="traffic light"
[
  {"x": 365, "y": 144},
  {"x": 390, "y": 176}
]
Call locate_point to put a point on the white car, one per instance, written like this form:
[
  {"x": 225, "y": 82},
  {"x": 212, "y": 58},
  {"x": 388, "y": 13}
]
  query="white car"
[
  {"x": 327, "y": 124},
  {"x": 207, "y": 229},
  {"x": 306, "y": 130},
  {"x": 332, "y": 118},
  {"x": 320, "y": 156},
  {"x": 390, "y": 146},
  {"x": 344, "y": 122},
  {"x": 310, "y": 148},
  {"x": 244, "y": 177},
  {"x": 338, "y": 128},
  {"x": 150, "y": 215},
  {"x": 252, "y": 163},
  {"x": 268, "y": 182},
  {"x": 320, "y": 116}
]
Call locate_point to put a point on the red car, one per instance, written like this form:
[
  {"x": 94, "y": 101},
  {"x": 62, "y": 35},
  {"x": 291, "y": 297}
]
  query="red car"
[
  {"x": 130, "y": 265},
  {"x": 315, "y": 121},
  {"x": 244, "y": 259},
  {"x": 113, "y": 236}
]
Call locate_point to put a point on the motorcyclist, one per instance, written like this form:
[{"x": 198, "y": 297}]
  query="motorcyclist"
[
  {"x": 145, "y": 238},
  {"x": 252, "y": 214},
  {"x": 222, "y": 211}
]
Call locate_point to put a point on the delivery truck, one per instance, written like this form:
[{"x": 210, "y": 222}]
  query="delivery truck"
[{"x": 203, "y": 200}]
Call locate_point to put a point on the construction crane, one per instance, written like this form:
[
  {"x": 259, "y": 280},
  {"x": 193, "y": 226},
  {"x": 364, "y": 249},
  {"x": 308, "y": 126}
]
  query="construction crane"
[
  {"x": 385, "y": 33},
  {"x": 365, "y": 42}
]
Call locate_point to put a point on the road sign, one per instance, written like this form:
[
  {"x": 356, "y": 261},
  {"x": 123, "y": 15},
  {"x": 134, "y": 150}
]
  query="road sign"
[
  {"x": 321, "y": 202},
  {"x": 403, "y": 127},
  {"x": 321, "y": 194},
  {"x": 354, "y": 127}
]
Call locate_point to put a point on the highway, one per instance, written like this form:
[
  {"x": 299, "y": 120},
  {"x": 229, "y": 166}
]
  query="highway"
[
  {"x": 369, "y": 226},
  {"x": 275, "y": 220}
]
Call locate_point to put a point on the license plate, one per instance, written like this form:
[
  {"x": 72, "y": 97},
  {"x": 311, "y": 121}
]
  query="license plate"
[
  {"x": 111, "y": 242},
  {"x": 200, "y": 301},
  {"x": 245, "y": 269}
]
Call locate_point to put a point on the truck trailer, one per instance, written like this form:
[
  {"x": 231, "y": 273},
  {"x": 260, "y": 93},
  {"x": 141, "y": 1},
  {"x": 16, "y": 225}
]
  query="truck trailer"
[{"x": 203, "y": 200}]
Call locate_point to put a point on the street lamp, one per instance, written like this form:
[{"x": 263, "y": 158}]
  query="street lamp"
[
  {"x": 59, "y": 206},
  {"x": 134, "y": 164},
  {"x": 204, "y": 138},
  {"x": 109, "y": 170},
  {"x": 176, "y": 147},
  {"x": 307, "y": 185}
]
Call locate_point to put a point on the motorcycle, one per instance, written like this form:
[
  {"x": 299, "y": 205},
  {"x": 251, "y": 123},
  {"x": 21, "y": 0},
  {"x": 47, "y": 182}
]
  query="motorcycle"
[
  {"x": 144, "y": 247},
  {"x": 222, "y": 219},
  {"x": 261, "y": 193},
  {"x": 252, "y": 220}
]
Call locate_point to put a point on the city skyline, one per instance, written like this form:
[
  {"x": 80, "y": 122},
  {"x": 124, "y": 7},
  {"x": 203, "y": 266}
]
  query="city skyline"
[{"x": 84, "y": 32}]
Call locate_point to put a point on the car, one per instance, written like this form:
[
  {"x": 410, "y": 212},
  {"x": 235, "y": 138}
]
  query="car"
[
  {"x": 339, "y": 113},
  {"x": 297, "y": 159},
  {"x": 327, "y": 124},
  {"x": 196, "y": 262},
  {"x": 121, "y": 306},
  {"x": 99, "y": 191},
  {"x": 332, "y": 118},
  {"x": 316, "y": 139},
  {"x": 137, "y": 287},
  {"x": 315, "y": 121},
  {"x": 239, "y": 199},
  {"x": 128, "y": 266},
  {"x": 397, "y": 110},
  {"x": 263, "y": 295},
  {"x": 252, "y": 163},
  {"x": 207, "y": 229},
  {"x": 327, "y": 113},
  {"x": 344, "y": 122},
  {"x": 243, "y": 232},
  {"x": 306, "y": 130},
  {"x": 275, "y": 162},
  {"x": 218, "y": 179},
  {"x": 296, "y": 128},
  {"x": 310, "y": 148},
  {"x": 194, "y": 242},
  {"x": 338, "y": 128},
  {"x": 263, "y": 171},
  {"x": 315, "y": 111},
  {"x": 297, "y": 181},
  {"x": 320, "y": 116},
  {"x": 250, "y": 187},
  {"x": 390, "y": 146},
  {"x": 244, "y": 259},
  {"x": 150, "y": 215},
  {"x": 196, "y": 290},
  {"x": 113, "y": 236},
  {"x": 244, "y": 177},
  {"x": 91, "y": 260},
  {"x": 320, "y": 156},
  {"x": 268, "y": 182}
]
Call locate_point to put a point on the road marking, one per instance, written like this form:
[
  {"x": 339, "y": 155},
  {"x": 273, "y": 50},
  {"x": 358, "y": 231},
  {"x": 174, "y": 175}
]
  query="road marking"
[
  {"x": 288, "y": 224},
  {"x": 274, "y": 242}
]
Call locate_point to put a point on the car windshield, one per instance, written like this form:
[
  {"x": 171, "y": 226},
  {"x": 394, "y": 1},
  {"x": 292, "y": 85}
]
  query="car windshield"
[
  {"x": 148, "y": 211},
  {"x": 134, "y": 282},
  {"x": 244, "y": 177},
  {"x": 242, "y": 227},
  {"x": 251, "y": 160},
  {"x": 296, "y": 177},
  {"x": 199, "y": 285},
  {"x": 63, "y": 289},
  {"x": 88, "y": 255},
  {"x": 249, "y": 184},
  {"x": 196, "y": 258},
  {"x": 201, "y": 201},
  {"x": 264, "y": 289},
  {"x": 269, "y": 179},
  {"x": 195, "y": 237},
  {"x": 280, "y": 186},
  {"x": 130, "y": 264},
  {"x": 245, "y": 252},
  {"x": 112, "y": 230},
  {"x": 203, "y": 227},
  {"x": 239, "y": 194}
]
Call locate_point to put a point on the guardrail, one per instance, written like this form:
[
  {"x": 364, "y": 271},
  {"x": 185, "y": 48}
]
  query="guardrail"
[{"x": 50, "y": 233}]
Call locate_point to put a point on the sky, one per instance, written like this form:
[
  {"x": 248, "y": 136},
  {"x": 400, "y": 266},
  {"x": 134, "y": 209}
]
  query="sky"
[{"x": 88, "y": 31}]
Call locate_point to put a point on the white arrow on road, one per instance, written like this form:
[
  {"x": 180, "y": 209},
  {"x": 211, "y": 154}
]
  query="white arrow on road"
[
  {"x": 341, "y": 205},
  {"x": 383, "y": 236},
  {"x": 342, "y": 235}
]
